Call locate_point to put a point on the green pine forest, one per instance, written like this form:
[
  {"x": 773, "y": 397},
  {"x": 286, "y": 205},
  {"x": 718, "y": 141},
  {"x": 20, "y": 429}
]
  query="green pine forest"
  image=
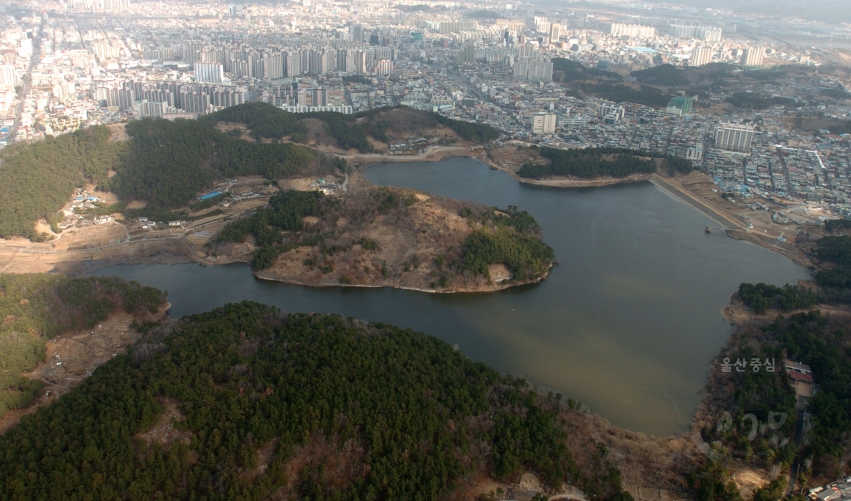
[
  {"x": 819, "y": 340},
  {"x": 38, "y": 307},
  {"x": 37, "y": 179},
  {"x": 832, "y": 253},
  {"x": 169, "y": 163},
  {"x": 349, "y": 131},
  {"x": 261, "y": 405},
  {"x": 598, "y": 162}
]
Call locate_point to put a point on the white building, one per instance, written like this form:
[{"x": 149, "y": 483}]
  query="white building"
[
  {"x": 752, "y": 56},
  {"x": 708, "y": 33},
  {"x": 555, "y": 32},
  {"x": 344, "y": 109},
  {"x": 533, "y": 70},
  {"x": 209, "y": 72},
  {"x": 701, "y": 55},
  {"x": 734, "y": 137},
  {"x": 608, "y": 109},
  {"x": 632, "y": 30},
  {"x": 543, "y": 123},
  {"x": 8, "y": 75}
]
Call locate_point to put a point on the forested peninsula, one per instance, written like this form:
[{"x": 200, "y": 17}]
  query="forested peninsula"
[
  {"x": 389, "y": 237},
  {"x": 601, "y": 162},
  {"x": 246, "y": 403}
]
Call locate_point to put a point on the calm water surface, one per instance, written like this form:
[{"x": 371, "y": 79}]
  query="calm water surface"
[{"x": 627, "y": 323}]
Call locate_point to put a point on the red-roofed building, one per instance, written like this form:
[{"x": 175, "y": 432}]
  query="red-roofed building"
[
  {"x": 797, "y": 377},
  {"x": 801, "y": 376}
]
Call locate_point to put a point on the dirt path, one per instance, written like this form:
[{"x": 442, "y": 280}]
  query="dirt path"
[{"x": 432, "y": 153}]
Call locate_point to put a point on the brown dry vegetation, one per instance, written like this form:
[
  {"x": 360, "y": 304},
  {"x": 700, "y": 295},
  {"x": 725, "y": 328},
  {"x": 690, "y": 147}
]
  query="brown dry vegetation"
[
  {"x": 72, "y": 357},
  {"x": 407, "y": 243},
  {"x": 644, "y": 461},
  {"x": 407, "y": 246},
  {"x": 331, "y": 462},
  {"x": 118, "y": 132},
  {"x": 318, "y": 137},
  {"x": 163, "y": 431},
  {"x": 403, "y": 123},
  {"x": 513, "y": 157}
]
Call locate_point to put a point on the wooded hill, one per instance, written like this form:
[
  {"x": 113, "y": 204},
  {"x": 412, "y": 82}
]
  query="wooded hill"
[
  {"x": 833, "y": 254},
  {"x": 169, "y": 163},
  {"x": 822, "y": 342},
  {"x": 385, "y": 226},
  {"x": 38, "y": 307},
  {"x": 658, "y": 84},
  {"x": 245, "y": 403},
  {"x": 37, "y": 179},
  {"x": 387, "y": 124},
  {"x": 566, "y": 71},
  {"x": 590, "y": 163}
]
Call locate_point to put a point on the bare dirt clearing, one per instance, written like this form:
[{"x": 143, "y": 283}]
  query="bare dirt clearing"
[
  {"x": 163, "y": 431},
  {"x": 73, "y": 356}
]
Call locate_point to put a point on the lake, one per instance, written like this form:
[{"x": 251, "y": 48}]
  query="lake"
[{"x": 627, "y": 323}]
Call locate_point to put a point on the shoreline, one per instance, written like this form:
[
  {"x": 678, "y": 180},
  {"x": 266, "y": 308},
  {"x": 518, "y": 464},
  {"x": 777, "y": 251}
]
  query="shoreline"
[
  {"x": 496, "y": 288},
  {"x": 566, "y": 183},
  {"x": 739, "y": 230},
  {"x": 179, "y": 250},
  {"x": 702, "y": 206},
  {"x": 180, "y": 254}
]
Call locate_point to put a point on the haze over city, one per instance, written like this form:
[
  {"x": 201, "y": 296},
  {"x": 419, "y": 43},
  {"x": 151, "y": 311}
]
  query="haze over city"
[{"x": 327, "y": 250}]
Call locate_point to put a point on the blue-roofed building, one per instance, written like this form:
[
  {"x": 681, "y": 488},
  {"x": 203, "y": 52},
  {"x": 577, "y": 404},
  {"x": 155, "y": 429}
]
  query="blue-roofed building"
[{"x": 210, "y": 195}]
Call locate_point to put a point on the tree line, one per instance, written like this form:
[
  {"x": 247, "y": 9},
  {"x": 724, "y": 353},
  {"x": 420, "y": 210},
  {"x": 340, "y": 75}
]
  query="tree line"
[
  {"x": 284, "y": 214},
  {"x": 168, "y": 163},
  {"x": 267, "y": 121},
  {"x": 262, "y": 119},
  {"x": 512, "y": 238},
  {"x": 38, "y": 307},
  {"x": 387, "y": 413},
  {"x": 825, "y": 345},
  {"x": 752, "y": 100},
  {"x": 835, "y": 251},
  {"x": 832, "y": 225},
  {"x": 646, "y": 95},
  {"x": 469, "y": 131},
  {"x": 566, "y": 71},
  {"x": 590, "y": 163},
  {"x": 762, "y": 297},
  {"x": 666, "y": 75}
]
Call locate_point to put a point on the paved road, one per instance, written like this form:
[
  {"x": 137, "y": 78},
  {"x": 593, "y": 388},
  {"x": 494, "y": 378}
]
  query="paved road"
[
  {"x": 403, "y": 158},
  {"x": 799, "y": 436},
  {"x": 27, "y": 78}
]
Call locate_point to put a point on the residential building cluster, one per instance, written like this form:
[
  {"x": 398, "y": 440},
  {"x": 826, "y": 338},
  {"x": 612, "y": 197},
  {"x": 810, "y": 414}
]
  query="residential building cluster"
[{"x": 102, "y": 61}]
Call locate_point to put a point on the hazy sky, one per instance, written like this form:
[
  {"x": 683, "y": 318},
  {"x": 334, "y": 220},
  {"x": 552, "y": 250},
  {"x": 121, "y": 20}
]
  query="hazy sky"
[{"x": 837, "y": 11}]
